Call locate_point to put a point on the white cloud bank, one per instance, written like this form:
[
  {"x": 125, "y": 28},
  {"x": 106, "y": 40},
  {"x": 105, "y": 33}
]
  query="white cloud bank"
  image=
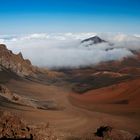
[{"x": 64, "y": 49}]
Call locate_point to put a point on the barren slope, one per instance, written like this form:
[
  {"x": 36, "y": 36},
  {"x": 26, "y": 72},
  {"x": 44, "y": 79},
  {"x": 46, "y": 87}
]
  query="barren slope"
[{"x": 69, "y": 119}]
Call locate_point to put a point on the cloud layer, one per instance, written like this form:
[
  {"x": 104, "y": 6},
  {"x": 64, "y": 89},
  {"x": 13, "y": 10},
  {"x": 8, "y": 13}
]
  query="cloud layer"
[{"x": 64, "y": 49}]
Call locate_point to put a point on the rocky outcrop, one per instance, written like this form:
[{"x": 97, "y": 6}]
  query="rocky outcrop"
[
  {"x": 12, "y": 127},
  {"x": 16, "y": 63}
]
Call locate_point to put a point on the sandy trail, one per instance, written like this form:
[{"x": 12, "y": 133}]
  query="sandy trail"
[{"x": 70, "y": 119}]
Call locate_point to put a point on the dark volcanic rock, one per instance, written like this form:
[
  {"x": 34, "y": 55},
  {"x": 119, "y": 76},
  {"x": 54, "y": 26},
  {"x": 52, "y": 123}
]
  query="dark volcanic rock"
[{"x": 94, "y": 40}]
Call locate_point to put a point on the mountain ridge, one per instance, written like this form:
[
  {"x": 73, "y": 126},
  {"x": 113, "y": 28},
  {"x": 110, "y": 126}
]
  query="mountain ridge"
[{"x": 15, "y": 62}]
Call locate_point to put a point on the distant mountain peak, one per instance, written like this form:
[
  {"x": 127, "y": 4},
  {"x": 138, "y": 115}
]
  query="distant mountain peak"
[{"x": 93, "y": 40}]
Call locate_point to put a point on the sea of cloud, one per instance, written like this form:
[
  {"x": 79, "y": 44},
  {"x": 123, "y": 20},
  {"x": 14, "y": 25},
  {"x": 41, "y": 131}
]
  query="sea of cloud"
[{"x": 56, "y": 50}]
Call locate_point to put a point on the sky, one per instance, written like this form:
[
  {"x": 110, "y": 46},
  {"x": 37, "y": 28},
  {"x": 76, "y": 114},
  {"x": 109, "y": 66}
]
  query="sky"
[{"x": 39, "y": 16}]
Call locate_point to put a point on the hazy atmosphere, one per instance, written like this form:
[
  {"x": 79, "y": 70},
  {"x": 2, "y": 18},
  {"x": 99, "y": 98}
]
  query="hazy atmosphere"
[{"x": 66, "y": 50}]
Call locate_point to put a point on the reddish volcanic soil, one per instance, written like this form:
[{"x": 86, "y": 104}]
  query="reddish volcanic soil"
[
  {"x": 127, "y": 93},
  {"x": 78, "y": 115},
  {"x": 121, "y": 99}
]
